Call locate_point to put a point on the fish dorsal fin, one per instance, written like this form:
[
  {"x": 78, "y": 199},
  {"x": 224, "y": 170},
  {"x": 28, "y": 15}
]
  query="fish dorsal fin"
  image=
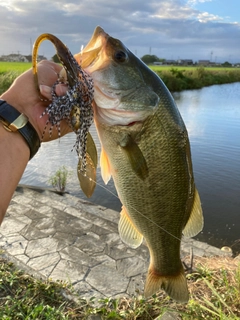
[
  {"x": 105, "y": 167},
  {"x": 87, "y": 179},
  {"x": 195, "y": 221},
  {"x": 135, "y": 156},
  {"x": 127, "y": 230}
]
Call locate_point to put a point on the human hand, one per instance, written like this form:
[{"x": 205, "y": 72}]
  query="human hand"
[{"x": 24, "y": 96}]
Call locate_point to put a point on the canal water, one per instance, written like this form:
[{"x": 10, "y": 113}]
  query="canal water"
[{"x": 212, "y": 117}]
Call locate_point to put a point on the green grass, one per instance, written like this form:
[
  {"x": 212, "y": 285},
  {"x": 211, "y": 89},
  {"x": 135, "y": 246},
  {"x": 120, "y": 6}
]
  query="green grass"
[
  {"x": 176, "y": 78},
  {"x": 9, "y": 71},
  {"x": 160, "y": 68},
  {"x": 14, "y": 66},
  {"x": 214, "y": 294}
]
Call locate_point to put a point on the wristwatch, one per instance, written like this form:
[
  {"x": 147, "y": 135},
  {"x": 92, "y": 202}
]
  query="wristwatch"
[{"x": 14, "y": 121}]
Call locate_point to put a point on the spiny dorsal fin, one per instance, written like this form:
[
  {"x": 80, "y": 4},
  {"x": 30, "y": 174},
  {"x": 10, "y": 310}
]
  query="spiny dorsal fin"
[
  {"x": 195, "y": 221},
  {"x": 127, "y": 230},
  {"x": 105, "y": 167},
  {"x": 135, "y": 156}
]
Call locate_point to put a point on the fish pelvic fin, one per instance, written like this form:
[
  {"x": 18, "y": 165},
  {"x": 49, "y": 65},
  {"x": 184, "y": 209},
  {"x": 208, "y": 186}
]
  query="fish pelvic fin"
[
  {"x": 175, "y": 286},
  {"x": 135, "y": 157},
  {"x": 127, "y": 230},
  {"x": 195, "y": 221},
  {"x": 105, "y": 167}
]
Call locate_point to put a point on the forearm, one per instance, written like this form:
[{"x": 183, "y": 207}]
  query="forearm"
[{"x": 14, "y": 156}]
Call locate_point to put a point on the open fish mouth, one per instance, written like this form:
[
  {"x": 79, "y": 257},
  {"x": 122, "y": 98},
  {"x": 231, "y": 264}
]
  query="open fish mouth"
[{"x": 89, "y": 54}]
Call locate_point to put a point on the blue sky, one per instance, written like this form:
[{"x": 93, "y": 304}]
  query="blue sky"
[
  {"x": 229, "y": 10},
  {"x": 170, "y": 29}
]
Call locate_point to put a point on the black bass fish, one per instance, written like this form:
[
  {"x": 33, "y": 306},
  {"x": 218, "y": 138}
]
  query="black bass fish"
[{"x": 145, "y": 148}]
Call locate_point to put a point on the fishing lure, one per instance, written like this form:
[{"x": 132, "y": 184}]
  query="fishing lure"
[{"x": 76, "y": 106}]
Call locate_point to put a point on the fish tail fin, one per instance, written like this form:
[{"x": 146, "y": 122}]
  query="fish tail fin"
[{"x": 175, "y": 286}]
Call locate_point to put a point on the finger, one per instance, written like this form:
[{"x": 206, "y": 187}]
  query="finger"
[
  {"x": 61, "y": 89},
  {"x": 46, "y": 91}
]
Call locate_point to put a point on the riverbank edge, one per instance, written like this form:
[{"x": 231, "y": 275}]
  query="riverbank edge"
[
  {"x": 12, "y": 245},
  {"x": 224, "y": 250},
  {"x": 176, "y": 79}
]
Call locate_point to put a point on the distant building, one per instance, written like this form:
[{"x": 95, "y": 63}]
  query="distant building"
[
  {"x": 170, "y": 62},
  {"x": 16, "y": 57},
  {"x": 204, "y": 62},
  {"x": 157, "y": 63},
  {"x": 185, "y": 62}
]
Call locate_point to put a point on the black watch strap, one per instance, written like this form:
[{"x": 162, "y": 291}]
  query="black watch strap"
[{"x": 13, "y": 120}]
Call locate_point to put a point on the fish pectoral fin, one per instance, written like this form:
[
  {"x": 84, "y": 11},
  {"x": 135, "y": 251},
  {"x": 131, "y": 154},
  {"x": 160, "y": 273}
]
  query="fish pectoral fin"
[
  {"x": 195, "y": 221},
  {"x": 105, "y": 167},
  {"x": 88, "y": 178},
  {"x": 135, "y": 157},
  {"x": 174, "y": 285},
  {"x": 127, "y": 230}
]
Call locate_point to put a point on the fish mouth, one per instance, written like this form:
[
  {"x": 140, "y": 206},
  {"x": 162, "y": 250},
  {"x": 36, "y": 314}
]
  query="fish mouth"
[
  {"x": 90, "y": 53},
  {"x": 108, "y": 107}
]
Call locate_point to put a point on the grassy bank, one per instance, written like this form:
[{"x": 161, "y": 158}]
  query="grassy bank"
[
  {"x": 175, "y": 78},
  {"x": 214, "y": 287},
  {"x": 180, "y": 78}
]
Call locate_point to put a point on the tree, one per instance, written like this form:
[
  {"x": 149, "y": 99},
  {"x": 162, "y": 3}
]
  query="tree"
[
  {"x": 227, "y": 64},
  {"x": 148, "y": 59},
  {"x": 55, "y": 59}
]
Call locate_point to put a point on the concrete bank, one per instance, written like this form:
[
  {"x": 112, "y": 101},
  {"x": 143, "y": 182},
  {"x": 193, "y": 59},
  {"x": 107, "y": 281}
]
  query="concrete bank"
[{"x": 66, "y": 238}]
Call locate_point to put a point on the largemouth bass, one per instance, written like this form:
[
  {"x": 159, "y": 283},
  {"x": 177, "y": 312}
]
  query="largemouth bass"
[{"x": 145, "y": 148}]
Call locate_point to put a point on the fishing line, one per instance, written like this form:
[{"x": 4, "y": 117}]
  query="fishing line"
[{"x": 109, "y": 191}]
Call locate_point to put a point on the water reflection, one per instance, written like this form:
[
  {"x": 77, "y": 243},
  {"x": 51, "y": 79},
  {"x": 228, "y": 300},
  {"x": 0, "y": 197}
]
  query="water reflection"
[{"x": 212, "y": 117}]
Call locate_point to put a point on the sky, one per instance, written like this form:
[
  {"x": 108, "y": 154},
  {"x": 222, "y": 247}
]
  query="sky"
[{"x": 169, "y": 29}]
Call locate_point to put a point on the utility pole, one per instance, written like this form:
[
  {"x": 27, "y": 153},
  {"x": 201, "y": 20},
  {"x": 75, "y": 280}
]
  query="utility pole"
[{"x": 211, "y": 55}]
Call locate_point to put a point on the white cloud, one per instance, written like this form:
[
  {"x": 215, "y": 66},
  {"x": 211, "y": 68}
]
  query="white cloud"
[{"x": 172, "y": 28}]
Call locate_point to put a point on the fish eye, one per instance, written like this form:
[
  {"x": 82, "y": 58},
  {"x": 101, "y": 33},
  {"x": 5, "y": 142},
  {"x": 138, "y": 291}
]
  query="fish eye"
[{"x": 120, "y": 56}]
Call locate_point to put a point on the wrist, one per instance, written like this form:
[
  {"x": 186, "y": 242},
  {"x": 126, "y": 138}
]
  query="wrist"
[{"x": 13, "y": 121}]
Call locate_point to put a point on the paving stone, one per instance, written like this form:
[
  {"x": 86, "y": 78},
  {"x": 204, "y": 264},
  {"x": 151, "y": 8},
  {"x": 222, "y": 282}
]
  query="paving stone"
[
  {"x": 21, "y": 199},
  {"x": 16, "y": 245},
  {"x": 136, "y": 285},
  {"x": 106, "y": 260},
  {"x": 99, "y": 230},
  {"x": 76, "y": 255},
  {"x": 23, "y": 258},
  {"x": 11, "y": 226},
  {"x": 69, "y": 239},
  {"x": 34, "y": 214},
  {"x": 44, "y": 261},
  {"x": 41, "y": 247},
  {"x": 85, "y": 291},
  {"x": 132, "y": 266},
  {"x": 168, "y": 316},
  {"x": 68, "y": 271},
  {"x": 89, "y": 244},
  {"x": 107, "y": 280},
  {"x": 118, "y": 252},
  {"x": 111, "y": 239},
  {"x": 30, "y": 233}
]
